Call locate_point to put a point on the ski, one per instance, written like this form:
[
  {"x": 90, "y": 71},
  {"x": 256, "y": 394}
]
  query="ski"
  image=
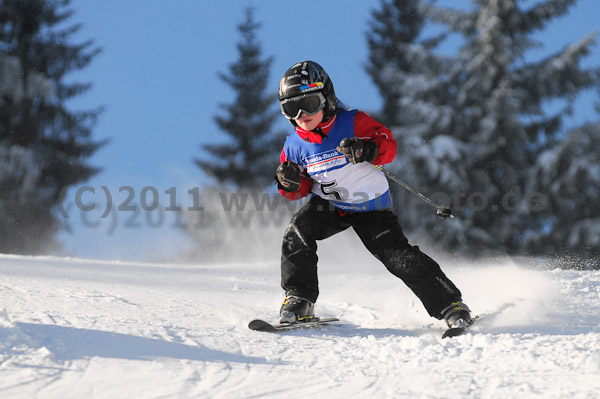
[
  {"x": 457, "y": 331},
  {"x": 261, "y": 325}
]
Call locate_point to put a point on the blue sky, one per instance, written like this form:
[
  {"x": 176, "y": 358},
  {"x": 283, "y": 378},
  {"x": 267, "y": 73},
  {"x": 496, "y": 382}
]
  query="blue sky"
[{"x": 157, "y": 78}]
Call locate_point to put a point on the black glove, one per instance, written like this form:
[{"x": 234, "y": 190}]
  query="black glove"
[
  {"x": 288, "y": 176},
  {"x": 358, "y": 150}
]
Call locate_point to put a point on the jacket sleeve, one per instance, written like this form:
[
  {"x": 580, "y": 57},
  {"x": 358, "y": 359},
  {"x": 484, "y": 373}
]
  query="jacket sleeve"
[
  {"x": 367, "y": 128},
  {"x": 305, "y": 184}
]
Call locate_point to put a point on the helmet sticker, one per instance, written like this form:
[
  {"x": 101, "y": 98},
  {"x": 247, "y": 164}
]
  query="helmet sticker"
[{"x": 311, "y": 87}]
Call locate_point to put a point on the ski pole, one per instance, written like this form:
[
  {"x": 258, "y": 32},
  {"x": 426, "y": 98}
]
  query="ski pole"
[{"x": 441, "y": 211}]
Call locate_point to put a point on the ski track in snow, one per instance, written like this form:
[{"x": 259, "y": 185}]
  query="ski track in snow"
[{"x": 73, "y": 328}]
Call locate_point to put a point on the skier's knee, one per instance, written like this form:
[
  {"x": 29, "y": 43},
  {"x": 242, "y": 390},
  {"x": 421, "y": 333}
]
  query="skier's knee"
[
  {"x": 406, "y": 263},
  {"x": 294, "y": 239}
]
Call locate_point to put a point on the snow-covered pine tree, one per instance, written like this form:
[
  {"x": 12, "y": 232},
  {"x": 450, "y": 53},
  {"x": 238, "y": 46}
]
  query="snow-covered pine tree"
[
  {"x": 499, "y": 124},
  {"x": 411, "y": 79},
  {"x": 247, "y": 161},
  {"x": 44, "y": 147},
  {"x": 568, "y": 175},
  {"x": 402, "y": 64},
  {"x": 244, "y": 166},
  {"x": 500, "y": 112}
]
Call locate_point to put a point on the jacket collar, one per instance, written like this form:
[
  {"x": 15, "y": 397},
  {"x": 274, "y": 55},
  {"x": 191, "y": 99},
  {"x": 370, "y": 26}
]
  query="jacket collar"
[{"x": 320, "y": 132}]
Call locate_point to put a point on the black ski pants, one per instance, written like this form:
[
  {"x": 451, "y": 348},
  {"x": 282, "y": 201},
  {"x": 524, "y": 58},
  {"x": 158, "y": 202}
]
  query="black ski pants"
[{"x": 381, "y": 233}]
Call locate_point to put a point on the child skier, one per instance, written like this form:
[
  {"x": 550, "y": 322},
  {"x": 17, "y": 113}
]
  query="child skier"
[{"x": 330, "y": 156}]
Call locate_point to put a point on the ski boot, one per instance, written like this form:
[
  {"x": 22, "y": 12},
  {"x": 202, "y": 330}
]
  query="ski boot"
[
  {"x": 457, "y": 315},
  {"x": 295, "y": 309}
]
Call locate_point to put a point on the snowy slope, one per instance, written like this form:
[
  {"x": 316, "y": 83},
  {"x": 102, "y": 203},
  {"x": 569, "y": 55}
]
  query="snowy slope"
[{"x": 75, "y": 328}]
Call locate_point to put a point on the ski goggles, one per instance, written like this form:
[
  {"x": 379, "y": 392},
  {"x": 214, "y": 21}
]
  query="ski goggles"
[{"x": 309, "y": 103}]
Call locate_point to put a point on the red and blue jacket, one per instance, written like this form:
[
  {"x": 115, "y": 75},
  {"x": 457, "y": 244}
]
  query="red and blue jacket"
[{"x": 328, "y": 173}]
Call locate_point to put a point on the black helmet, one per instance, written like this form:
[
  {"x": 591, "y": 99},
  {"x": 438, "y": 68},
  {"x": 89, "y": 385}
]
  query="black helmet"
[{"x": 306, "y": 87}]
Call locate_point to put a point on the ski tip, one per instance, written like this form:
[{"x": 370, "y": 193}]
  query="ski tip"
[
  {"x": 261, "y": 325},
  {"x": 454, "y": 332}
]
